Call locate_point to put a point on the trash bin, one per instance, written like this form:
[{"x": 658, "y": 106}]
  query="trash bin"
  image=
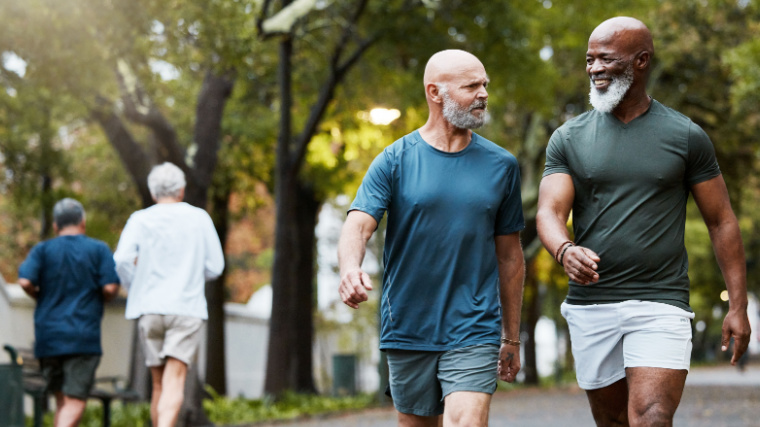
[
  {"x": 11, "y": 396},
  {"x": 344, "y": 374}
]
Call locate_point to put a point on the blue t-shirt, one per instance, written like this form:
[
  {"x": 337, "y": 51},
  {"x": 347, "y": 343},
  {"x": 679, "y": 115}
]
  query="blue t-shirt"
[
  {"x": 70, "y": 272},
  {"x": 441, "y": 280}
]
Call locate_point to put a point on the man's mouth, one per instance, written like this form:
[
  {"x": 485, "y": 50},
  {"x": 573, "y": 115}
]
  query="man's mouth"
[{"x": 601, "y": 82}]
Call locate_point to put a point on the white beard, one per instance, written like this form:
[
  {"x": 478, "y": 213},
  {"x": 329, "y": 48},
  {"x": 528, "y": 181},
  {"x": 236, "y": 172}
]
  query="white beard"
[
  {"x": 462, "y": 117},
  {"x": 609, "y": 99}
]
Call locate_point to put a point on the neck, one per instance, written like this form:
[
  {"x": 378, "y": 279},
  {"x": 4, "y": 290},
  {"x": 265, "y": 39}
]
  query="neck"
[
  {"x": 164, "y": 200},
  {"x": 71, "y": 230},
  {"x": 441, "y": 135},
  {"x": 632, "y": 106}
]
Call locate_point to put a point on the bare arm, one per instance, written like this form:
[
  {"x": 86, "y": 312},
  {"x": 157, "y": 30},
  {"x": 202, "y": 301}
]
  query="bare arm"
[
  {"x": 511, "y": 277},
  {"x": 555, "y": 200},
  {"x": 352, "y": 245},
  {"x": 712, "y": 199},
  {"x": 29, "y": 287},
  {"x": 110, "y": 291}
]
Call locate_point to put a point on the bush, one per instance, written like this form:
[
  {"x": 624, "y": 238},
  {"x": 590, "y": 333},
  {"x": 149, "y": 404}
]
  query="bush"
[
  {"x": 122, "y": 415},
  {"x": 225, "y": 410}
]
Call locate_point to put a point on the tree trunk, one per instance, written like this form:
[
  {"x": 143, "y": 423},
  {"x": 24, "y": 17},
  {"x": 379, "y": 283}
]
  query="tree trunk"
[
  {"x": 216, "y": 376},
  {"x": 291, "y": 330}
]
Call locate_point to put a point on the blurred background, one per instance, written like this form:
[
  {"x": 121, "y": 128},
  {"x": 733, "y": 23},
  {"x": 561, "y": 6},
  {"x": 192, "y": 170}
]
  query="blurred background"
[{"x": 275, "y": 108}]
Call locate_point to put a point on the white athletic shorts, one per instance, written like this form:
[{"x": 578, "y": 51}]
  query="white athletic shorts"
[{"x": 607, "y": 338}]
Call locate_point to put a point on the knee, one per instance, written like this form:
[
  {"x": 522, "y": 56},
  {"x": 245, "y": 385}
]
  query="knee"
[
  {"x": 655, "y": 414},
  {"x": 466, "y": 418}
]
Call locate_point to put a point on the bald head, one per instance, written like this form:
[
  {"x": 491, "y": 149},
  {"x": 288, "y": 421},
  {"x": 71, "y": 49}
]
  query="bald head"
[
  {"x": 630, "y": 34},
  {"x": 446, "y": 65}
]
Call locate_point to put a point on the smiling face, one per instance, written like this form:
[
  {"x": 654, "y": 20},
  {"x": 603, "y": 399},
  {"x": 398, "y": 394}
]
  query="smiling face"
[{"x": 617, "y": 60}]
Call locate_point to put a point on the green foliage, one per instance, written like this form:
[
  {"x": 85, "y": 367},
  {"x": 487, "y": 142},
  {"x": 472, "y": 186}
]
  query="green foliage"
[
  {"x": 224, "y": 410},
  {"x": 122, "y": 415}
]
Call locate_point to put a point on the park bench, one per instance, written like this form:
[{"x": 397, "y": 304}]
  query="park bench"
[{"x": 34, "y": 386}]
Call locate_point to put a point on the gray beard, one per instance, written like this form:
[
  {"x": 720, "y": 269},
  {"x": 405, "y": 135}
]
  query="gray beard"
[
  {"x": 607, "y": 101},
  {"x": 462, "y": 117}
]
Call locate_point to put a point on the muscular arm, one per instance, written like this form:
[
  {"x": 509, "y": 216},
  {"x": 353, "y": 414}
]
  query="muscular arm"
[
  {"x": 29, "y": 287},
  {"x": 352, "y": 245},
  {"x": 712, "y": 199},
  {"x": 511, "y": 277},
  {"x": 555, "y": 200}
]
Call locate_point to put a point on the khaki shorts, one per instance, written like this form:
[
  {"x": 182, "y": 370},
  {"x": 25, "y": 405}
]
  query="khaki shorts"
[{"x": 169, "y": 336}]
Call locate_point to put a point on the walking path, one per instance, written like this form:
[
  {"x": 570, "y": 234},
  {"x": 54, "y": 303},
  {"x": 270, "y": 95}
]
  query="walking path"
[{"x": 714, "y": 397}]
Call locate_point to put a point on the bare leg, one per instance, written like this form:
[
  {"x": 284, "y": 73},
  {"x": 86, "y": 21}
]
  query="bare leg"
[
  {"x": 654, "y": 395},
  {"x": 609, "y": 405},
  {"x": 68, "y": 411},
  {"x": 466, "y": 409},
  {"x": 173, "y": 383},
  {"x": 156, "y": 375},
  {"x": 409, "y": 420}
]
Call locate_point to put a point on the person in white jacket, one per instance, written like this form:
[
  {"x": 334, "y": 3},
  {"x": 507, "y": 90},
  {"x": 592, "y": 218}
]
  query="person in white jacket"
[{"x": 166, "y": 253}]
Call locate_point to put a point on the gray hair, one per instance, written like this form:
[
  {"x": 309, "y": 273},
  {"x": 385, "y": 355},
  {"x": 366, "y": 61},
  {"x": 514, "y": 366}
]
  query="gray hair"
[
  {"x": 166, "y": 180},
  {"x": 68, "y": 212}
]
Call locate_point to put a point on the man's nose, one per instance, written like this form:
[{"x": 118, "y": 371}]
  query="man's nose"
[{"x": 595, "y": 67}]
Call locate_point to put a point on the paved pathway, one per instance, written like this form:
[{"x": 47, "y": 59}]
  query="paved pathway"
[{"x": 713, "y": 397}]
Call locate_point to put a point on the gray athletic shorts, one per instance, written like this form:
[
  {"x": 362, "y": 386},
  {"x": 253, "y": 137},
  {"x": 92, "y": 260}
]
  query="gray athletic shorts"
[
  {"x": 420, "y": 380},
  {"x": 169, "y": 336},
  {"x": 73, "y": 375}
]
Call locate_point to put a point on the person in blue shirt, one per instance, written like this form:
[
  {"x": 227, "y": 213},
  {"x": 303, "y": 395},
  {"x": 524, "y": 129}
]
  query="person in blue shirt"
[
  {"x": 454, "y": 268},
  {"x": 70, "y": 276}
]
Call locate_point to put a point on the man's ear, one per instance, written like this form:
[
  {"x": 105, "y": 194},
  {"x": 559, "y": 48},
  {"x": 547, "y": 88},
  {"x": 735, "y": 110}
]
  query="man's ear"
[
  {"x": 642, "y": 60},
  {"x": 433, "y": 93}
]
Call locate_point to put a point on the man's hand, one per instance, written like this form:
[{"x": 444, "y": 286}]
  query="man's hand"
[
  {"x": 354, "y": 286},
  {"x": 509, "y": 362},
  {"x": 581, "y": 264},
  {"x": 29, "y": 287},
  {"x": 736, "y": 326}
]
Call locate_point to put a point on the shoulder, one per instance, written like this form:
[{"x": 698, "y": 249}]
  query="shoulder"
[
  {"x": 577, "y": 123},
  {"x": 672, "y": 116},
  {"x": 398, "y": 147},
  {"x": 494, "y": 150}
]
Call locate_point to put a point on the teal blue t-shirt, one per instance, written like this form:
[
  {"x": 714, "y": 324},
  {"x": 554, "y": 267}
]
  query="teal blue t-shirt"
[
  {"x": 441, "y": 281},
  {"x": 71, "y": 272}
]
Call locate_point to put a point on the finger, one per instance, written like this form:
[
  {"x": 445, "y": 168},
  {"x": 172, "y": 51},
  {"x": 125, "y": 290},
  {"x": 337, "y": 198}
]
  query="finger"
[
  {"x": 366, "y": 281},
  {"x": 357, "y": 289},
  {"x": 591, "y": 255},
  {"x": 724, "y": 338},
  {"x": 740, "y": 346}
]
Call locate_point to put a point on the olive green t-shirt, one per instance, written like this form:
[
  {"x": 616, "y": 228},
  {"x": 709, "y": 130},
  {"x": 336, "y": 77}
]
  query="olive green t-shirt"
[{"x": 631, "y": 183}]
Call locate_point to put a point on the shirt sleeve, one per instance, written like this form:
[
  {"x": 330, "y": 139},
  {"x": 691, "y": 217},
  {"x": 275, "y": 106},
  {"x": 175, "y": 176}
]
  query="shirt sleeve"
[
  {"x": 106, "y": 267},
  {"x": 374, "y": 194},
  {"x": 214, "y": 264},
  {"x": 510, "y": 216},
  {"x": 702, "y": 165},
  {"x": 126, "y": 252},
  {"x": 30, "y": 268},
  {"x": 556, "y": 161}
]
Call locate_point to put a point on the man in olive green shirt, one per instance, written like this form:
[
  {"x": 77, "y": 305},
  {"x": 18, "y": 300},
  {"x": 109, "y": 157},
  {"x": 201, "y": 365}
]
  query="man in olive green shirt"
[{"x": 626, "y": 169}]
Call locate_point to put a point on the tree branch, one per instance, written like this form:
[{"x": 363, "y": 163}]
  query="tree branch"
[
  {"x": 139, "y": 109},
  {"x": 336, "y": 75},
  {"x": 133, "y": 157},
  {"x": 213, "y": 96}
]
